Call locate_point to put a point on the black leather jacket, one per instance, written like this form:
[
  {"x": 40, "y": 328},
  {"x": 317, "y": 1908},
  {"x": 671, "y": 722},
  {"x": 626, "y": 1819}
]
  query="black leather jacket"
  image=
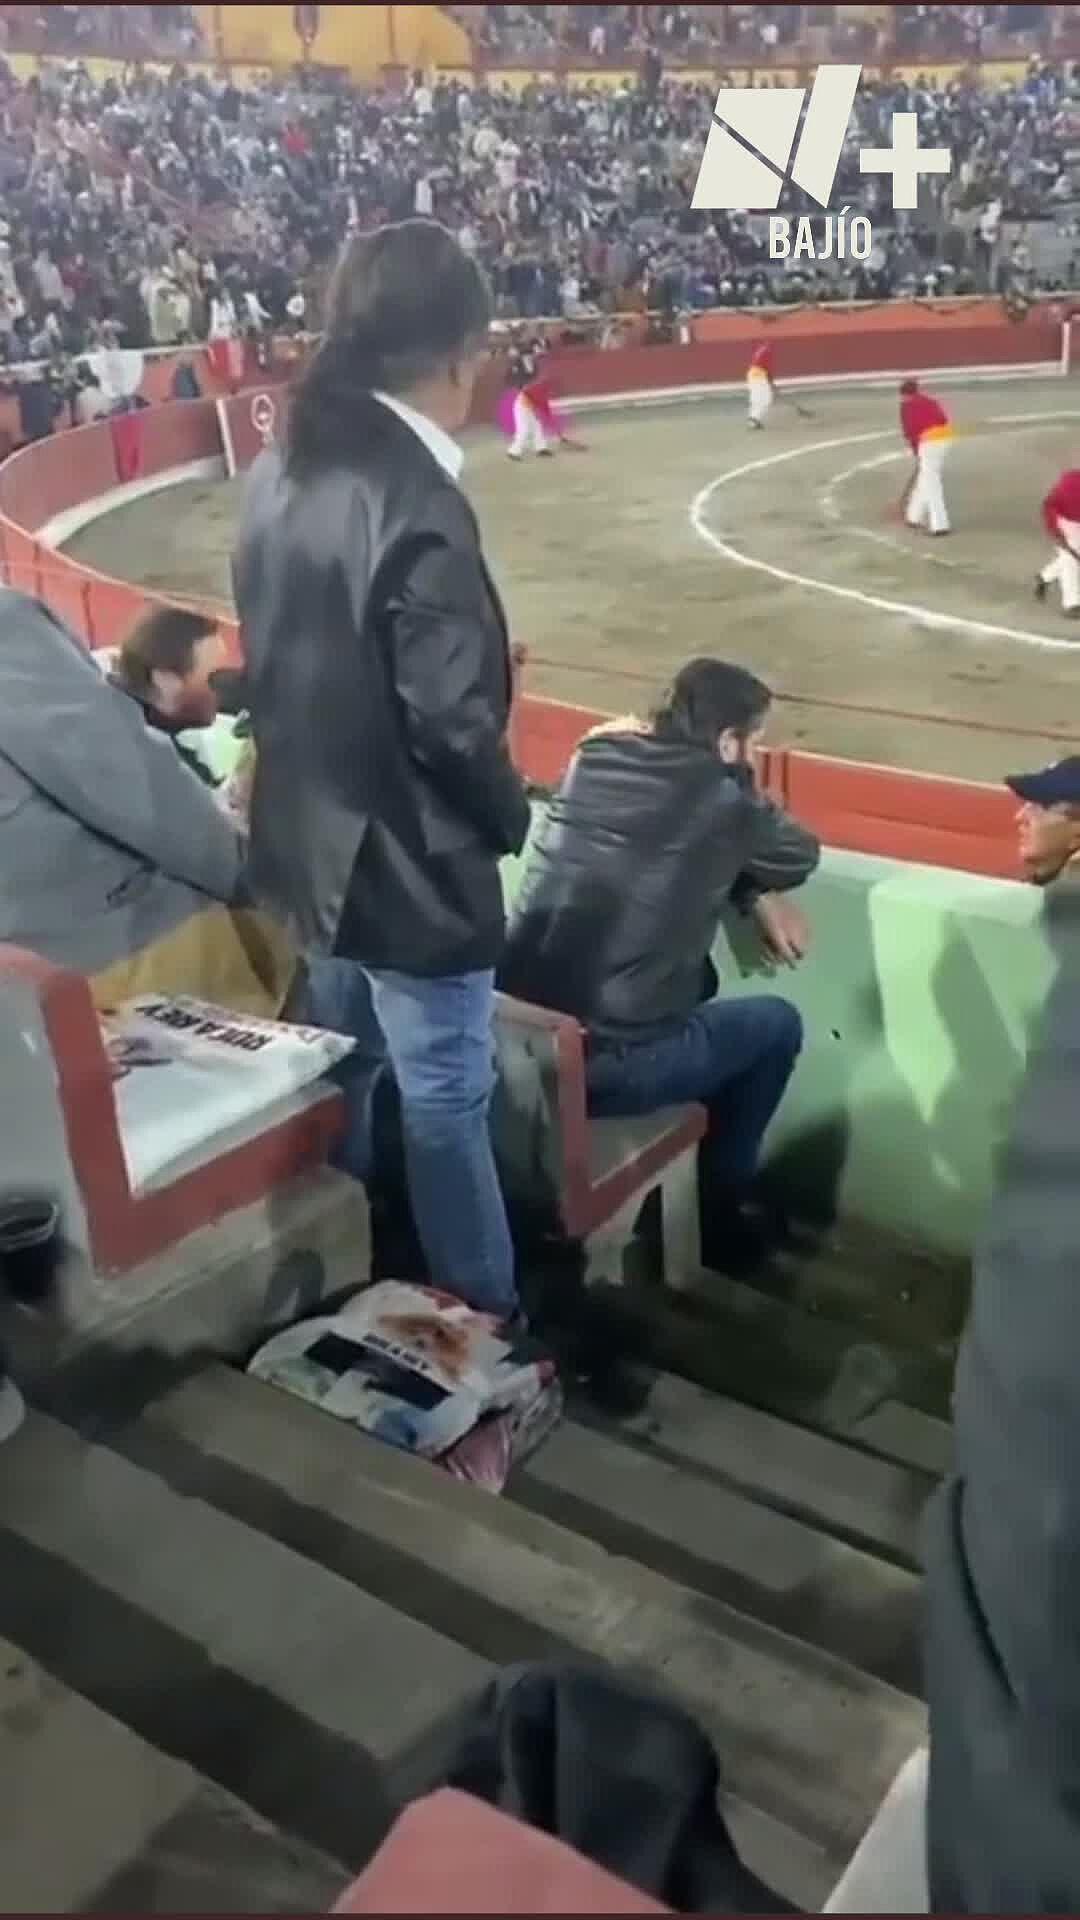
[
  {"x": 379, "y": 687},
  {"x": 644, "y": 845}
]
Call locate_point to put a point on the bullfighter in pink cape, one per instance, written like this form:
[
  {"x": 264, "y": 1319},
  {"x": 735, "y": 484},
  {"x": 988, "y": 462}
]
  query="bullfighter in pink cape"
[{"x": 527, "y": 412}]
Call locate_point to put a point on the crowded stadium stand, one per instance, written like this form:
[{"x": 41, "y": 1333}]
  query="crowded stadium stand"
[
  {"x": 155, "y": 202},
  {"x": 250, "y": 1631}
]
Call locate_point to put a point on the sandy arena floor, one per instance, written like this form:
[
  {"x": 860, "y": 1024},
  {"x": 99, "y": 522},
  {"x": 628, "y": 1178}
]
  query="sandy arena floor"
[{"x": 681, "y": 532}]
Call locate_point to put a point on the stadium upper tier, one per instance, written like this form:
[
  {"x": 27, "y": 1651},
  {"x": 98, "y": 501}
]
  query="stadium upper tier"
[
  {"x": 151, "y": 206},
  {"x": 582, "y": 35}
]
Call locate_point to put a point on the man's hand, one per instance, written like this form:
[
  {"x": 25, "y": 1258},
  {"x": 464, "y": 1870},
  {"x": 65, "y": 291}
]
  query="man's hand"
[{"x": 783, "y": 926}]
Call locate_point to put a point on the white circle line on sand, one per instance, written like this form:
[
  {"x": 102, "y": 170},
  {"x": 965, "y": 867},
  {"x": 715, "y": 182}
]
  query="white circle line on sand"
[
  {"x": 922, "y": 616},
  {"x": 854, "y": 529}
]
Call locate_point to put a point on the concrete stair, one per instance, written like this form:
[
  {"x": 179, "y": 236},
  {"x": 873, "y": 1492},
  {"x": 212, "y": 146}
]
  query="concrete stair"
[
  {"x": 818, "y": 1370},
  {"x": 281, "y": 1622},
  {"x": 93, "y": 1819}
]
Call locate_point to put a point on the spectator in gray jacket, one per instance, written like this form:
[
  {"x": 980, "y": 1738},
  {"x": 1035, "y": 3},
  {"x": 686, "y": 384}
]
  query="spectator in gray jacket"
[{"x": 112, "y": 853}]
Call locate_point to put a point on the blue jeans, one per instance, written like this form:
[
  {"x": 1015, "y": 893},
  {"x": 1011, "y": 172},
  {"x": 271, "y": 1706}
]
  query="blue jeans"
[
  {"x": 436, "y": 1036},
  {"x": 735, "y": 1056}
]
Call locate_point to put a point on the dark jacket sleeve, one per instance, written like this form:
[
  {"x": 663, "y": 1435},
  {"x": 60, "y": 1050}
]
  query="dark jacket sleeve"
[
  {"x": 87, "y": 747},
  {"x": 1003, "y": 1543},
  {"x": 780, "y": 853},
  {"x": 449, "y": 670}
]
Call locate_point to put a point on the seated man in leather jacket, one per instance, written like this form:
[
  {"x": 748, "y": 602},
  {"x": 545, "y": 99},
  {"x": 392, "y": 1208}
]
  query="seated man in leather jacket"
[{"x": 656, "y": 828}]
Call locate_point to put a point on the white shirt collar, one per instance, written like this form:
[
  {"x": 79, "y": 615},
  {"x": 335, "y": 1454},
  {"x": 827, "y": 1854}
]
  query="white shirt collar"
[{"x": 438, "y": 443}]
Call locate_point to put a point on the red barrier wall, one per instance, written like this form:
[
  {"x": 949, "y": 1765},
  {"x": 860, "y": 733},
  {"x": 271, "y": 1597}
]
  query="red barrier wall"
[
  {"x": 158, "y": 371},
  {"x": 894, "y": 338},
  {"x": 869, "y": 809},
  {"x": 583, "y": 371},
  {"x": 48, "y": 477},
  {"x": 252, "y": 419}
]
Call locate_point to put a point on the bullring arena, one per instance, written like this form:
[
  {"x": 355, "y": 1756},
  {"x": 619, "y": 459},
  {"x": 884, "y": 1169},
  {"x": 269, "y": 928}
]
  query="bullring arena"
[{"x": 677, "y": 532}]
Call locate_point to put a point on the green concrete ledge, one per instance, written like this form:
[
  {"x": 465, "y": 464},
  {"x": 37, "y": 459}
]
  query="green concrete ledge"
[{"x": 919, "y": 996}]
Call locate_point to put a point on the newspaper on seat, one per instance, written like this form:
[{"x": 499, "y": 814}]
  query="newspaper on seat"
[
  {"x": 186, "y": 1071},
  {"x": 424, "y": 1372}
]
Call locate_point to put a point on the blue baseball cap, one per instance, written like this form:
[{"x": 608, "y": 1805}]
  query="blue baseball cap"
[{"x": 1056, "y": 786}]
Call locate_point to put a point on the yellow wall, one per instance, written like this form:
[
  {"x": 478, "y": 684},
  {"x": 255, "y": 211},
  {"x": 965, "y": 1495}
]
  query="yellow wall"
[
  {"x": 515, "y": 79},
  {"x": 992, "y": 73},
  {"x": 102, "y": 67},
  {"x": 361, "y": 39},
  {"x": 428, "y": 37}
]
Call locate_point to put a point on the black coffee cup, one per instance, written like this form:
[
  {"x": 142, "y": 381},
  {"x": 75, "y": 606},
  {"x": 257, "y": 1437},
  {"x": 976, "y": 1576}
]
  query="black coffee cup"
[{"x": 31, "y": 1247}]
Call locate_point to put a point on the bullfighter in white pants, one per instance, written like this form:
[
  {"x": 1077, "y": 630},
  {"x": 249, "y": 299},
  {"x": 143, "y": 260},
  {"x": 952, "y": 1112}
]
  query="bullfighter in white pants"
[
  {"x": 760, "y": 387},
  {"x": 1061, "y": 517},
  {"x": 530, "y": 435},
  {"x": 928, "y": 431}
]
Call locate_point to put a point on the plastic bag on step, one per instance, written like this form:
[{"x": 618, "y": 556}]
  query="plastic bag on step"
[{"x": 422, "y": 1371}]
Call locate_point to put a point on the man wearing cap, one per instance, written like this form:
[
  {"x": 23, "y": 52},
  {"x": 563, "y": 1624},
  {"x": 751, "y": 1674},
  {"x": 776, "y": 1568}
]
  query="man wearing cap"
[
  {"x": 927, "y": 429},
  {"x": 1049, "y": 819},
  {"x": 1061, "y": 517}
]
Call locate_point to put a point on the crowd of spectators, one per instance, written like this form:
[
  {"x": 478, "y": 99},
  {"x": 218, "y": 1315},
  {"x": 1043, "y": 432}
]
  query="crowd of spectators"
[
  {"x": 163, "y": 207},
  {"x": 696, "y": 33},
  {"x": 960, "y": 32},
  {"x": 610, "y": 34},
  {"x": 126, "y": 32}
]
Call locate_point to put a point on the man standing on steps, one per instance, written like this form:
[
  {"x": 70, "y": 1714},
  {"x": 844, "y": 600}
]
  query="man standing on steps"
[
  {"x": 380, "y": 681},
  {"x": 658, "y": 827}
]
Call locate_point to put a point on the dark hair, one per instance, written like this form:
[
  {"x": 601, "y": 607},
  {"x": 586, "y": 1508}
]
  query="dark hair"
[
  {"x": 404, "y": 301},
  {"x": 708, "y": 696},
  {"x": 161, "y": 641}
]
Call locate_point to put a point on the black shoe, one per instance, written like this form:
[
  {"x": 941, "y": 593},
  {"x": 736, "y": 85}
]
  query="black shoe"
[
  {"x": 736, "y": 1242},
  {"x": 1041, "y": 587}
]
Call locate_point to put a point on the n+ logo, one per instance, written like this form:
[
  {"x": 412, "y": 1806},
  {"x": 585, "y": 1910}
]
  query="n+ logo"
[{"x": 905, "y": 160}]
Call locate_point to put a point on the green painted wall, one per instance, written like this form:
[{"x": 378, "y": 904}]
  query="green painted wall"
[{"x": 919, "y": 996}]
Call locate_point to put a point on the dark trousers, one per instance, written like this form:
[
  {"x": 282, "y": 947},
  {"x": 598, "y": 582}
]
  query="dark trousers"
[{"x": 735, "y": 1056}]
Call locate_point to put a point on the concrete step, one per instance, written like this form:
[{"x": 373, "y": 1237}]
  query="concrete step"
[
  {"x": 905, "y": 1433},
  {"x": 842, "y": 1489},
  {"x": 92, "y": 1819},
  {"x": 316, "y": 1704},
  {"x": 803, "y": 1737},
  {"x": 108, "y": 1342},
  {"x": 736, "y": 1340},
  {"x": 892, "y": 1293},
  {"x": 686, "y": 1525}
]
